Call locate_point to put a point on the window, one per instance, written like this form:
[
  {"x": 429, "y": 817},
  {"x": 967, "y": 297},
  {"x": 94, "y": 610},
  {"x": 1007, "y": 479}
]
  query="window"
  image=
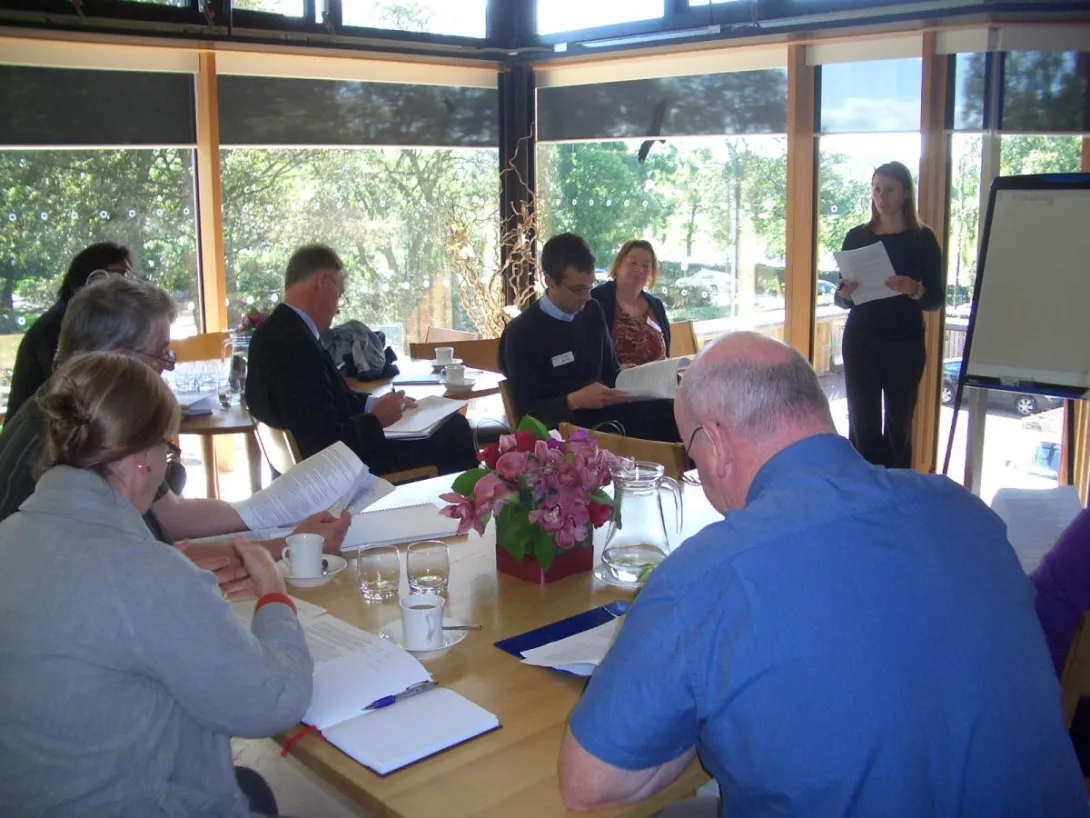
[
  {"x": 557, "y": 16},
  {"x": 287, "y": 8},
  {"x": 871, "y": 97},
  {"x": 415, "y": 225},
  {"x": 461, "y": 18},
  {"x": 1045, "y": 91}
]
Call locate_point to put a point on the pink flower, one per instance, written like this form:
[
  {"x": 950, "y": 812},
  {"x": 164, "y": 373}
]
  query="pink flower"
[
  {"x": 511, "y": 464},
  {"x": 490, "y": 493},
  {"x": 464, "y": 511},
  {"x": 547, "y": 516}
]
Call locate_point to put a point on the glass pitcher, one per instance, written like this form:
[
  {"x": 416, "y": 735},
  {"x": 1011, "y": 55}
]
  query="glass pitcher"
[
  {"x": 637, "y": 538},
  {"x": 236, "y": 351}
]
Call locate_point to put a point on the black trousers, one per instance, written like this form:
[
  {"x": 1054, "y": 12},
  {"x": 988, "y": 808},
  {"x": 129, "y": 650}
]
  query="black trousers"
[
  {"x": 257, "y": 791},
  {"x": 450, "y": 449},
  {"x": 646, "y": 419},
  {"x": 881, "y": 374}
]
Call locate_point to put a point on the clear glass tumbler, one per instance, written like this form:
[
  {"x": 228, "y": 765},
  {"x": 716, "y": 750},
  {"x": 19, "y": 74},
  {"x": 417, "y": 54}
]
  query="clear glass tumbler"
[
  {"x": 378, "y": 570},
  {"x": 427, "y": 565}
]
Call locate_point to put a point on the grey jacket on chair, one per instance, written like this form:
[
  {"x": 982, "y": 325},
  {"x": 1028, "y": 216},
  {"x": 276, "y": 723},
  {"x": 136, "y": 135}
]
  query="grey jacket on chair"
[{"x": 123, "y": 672}]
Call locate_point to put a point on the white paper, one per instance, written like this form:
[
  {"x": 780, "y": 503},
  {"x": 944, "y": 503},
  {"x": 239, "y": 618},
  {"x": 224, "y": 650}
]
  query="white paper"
[
  {"x": 870, "y": 267},
  {"x": 422, "y": 420},
  {"x": 199, "y": 407},
  {"x": 244, "y": 611},
  {"x": 579, "y": 653},
  {"x": 657, "y": 379},
  {"x": 1035, "y": 519},
  {"x": 394, "y": 526},
  {"x": 344, "y": 685},
  {"x": 311, "y": 486}
]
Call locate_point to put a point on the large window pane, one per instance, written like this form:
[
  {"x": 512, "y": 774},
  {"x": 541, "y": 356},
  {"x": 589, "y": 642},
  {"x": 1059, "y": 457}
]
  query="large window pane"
[
  {"x": 877, "y": 96},
  {"x": 846, "y": 165},
  {"x": 461, "y": 18},
  {"x": 555, "y": 16},
  {"x": 1045, "y": 91},
  {"x": 55, "y": 203},
  {"x": 969, "y": 79},
  {"x": 713, "y": 207},
  {"x": 416, "y": 229},
  {"x": 289, "y": 8}
]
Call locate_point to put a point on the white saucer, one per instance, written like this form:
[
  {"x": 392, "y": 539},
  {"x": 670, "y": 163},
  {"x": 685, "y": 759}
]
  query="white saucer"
[
  {"x": 334, "y": 565},
  {"x": 602, "y": 573},
  {"x": 392, "y": 631},
  {"x": 443, "y": 364},
  {"x": 460, "y": 386}
]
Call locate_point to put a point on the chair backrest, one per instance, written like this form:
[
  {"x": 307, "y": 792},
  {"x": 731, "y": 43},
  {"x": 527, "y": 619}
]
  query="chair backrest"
[
  {"x": 683, "y": 339},
  {"x": 482, "y": 354},
  {"x": 411, "y": 475},
  {"x": 509, "y": 409},
  {"x": 1075, "y": 681},
  {"x": 670, "y": 455},
  {"x": 278, "y": 446},
  {"x": 441, "y": 334},
  {"x": 207, "y": 347}
]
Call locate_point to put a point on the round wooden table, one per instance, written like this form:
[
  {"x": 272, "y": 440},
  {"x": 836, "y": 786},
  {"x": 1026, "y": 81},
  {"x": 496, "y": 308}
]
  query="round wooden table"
[
  {"x": 485, "y": 383},
  {"x": 233, "y": 421}
]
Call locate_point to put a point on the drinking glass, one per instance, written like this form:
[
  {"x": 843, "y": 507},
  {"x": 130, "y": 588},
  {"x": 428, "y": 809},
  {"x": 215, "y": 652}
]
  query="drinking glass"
[
  {"x": 427, "y": 565},
  {"x": 378, "y": 570}
]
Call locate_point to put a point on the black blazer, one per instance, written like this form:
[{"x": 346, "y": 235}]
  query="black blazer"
[
  {"x": 34, "y": 360},
  {"x": 606, "y": 295},
  {"x": 293, "y": 384}
]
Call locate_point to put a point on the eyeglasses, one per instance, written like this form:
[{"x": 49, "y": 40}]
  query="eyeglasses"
[
  {"x": 692, "y": 437},
  {"x": 173, "y": 452},
  {"x": 168, "y": 358},
  {"x": 583, "y": 290}
]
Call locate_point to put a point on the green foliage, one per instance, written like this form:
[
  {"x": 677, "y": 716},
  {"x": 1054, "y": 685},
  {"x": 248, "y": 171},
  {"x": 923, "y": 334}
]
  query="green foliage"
[
  {"x": 514, "y": 531},
  {"x": 534, "y": 426},
  {"x": 463, "y": 484}
]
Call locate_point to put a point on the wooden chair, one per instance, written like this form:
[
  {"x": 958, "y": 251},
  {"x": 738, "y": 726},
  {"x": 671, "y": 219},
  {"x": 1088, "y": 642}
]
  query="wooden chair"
[
  {"x": 476, "y": 354},
  {"x": 280, "y": 449},
  {"x": 207, "y": 347},
  {"x": 441, "y": 335},
  {"x": 670, "y": 455},
  {"x": 683, "y": 339},
  {"x": 509, "y": 405}
]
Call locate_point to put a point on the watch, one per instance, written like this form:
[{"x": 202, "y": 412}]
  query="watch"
[{"x": 916, "y": 296}]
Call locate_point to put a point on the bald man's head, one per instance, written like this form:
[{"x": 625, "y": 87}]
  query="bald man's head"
[{"x": 749, "y": 396}]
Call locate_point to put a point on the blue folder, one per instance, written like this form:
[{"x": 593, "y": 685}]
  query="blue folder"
[{"x": 517, "y": 645}]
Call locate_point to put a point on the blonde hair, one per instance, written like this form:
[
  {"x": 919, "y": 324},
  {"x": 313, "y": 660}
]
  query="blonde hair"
[
  {"x": 628, "y": 247},
  {"x": 899, "y": 173},
  {"x": 101, "y": 407}
]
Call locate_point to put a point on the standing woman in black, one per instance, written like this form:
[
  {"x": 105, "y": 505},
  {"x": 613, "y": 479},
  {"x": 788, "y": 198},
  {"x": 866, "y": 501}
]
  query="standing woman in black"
[{"x": 883, "y": 340}]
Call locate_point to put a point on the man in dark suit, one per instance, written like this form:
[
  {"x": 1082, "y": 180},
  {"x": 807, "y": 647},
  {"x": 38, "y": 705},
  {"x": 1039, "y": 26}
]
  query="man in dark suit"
[{"x": 293, "y": 384}]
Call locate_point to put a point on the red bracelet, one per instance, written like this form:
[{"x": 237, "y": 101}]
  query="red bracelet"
[{"x": 283, "y": 599}]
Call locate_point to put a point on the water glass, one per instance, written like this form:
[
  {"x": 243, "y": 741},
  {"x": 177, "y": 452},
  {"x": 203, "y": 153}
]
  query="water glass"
[
  {"x": 427, "y": 565},
  {"x": 378, "y": 570}
]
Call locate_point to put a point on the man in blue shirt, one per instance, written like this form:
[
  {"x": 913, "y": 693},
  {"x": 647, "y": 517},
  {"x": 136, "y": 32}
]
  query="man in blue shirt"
[{"x": 848, "y": 641}]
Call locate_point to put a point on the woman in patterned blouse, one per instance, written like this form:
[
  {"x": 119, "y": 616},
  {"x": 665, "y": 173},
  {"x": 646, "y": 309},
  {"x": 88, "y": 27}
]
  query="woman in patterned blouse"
[{"x": 637, "y": 320}]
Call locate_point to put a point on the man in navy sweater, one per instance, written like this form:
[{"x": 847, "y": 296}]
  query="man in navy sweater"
[{"x": 559, "y": 358}]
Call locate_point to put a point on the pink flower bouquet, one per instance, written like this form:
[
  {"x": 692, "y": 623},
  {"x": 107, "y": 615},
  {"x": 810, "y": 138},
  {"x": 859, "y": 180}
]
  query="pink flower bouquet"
[
  {"x": 250, "y": 321},
  {"x": 546, "y": 494}
]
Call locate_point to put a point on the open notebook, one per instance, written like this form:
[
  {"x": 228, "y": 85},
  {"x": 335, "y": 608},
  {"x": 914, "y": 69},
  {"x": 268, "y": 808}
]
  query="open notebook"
[{"x": 354, "y": 668}]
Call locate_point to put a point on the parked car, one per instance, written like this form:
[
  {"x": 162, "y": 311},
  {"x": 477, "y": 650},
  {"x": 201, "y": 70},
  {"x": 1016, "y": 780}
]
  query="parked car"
[
  {"x": 1020, "y": 402},
  {"x": 825, "y": 292},
  {"x": 713, "y": 281},
  {"x": 1041, "y": 460}
]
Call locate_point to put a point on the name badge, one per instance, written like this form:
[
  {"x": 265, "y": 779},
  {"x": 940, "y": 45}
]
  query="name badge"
[
  {"x": 653, "y": 325},
  {"x": 560, "y": 360}
]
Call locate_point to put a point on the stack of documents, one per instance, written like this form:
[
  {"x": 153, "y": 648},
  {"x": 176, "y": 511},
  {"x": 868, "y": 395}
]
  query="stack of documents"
[
  {"x": 393, "y": 526},
  {"x": 1035, "y": 519},
  {"x": 869, "y": 267},
  {"x": 198, "y": 407},
  {"x": 657, "y": 379},
  {"x": 575, "y": 646},
  {"x": 421, "y": 421}
]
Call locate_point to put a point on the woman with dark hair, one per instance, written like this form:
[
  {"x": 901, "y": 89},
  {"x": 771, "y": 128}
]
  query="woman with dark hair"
[
  {"x": 34, "y": 360},
  {"x": 883, "y": 339},
  {"x": 636, "y": 319},
  {"x": 123, "y": 670}
]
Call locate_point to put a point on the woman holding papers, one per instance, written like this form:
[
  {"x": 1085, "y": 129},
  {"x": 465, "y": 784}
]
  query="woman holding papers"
[
  {"x": 123, "y": 670},
  {"x": 883, "y": 338},
  {"x": 636, "y": 319}
]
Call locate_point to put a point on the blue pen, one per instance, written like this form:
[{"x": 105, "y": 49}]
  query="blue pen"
[{"x": 409, "y": 692}]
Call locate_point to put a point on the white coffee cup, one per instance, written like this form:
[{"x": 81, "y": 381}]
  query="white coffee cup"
[
  {"x": 455, "y": 373},
  {"x": 303, "y": 554},
  {"x": 422, "y": 622},
  {"x": 444, "y": 355}
]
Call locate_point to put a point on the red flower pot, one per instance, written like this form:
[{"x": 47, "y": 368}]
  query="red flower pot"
[{"x": 565, "y": 563}]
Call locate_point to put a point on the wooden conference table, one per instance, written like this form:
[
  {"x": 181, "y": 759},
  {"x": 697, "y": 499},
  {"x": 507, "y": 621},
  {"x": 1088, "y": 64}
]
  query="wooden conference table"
[
  {"x": 512, "y": 771},
  {"x": 233, "y": 421},
  {"x": 485, "y": 383}
]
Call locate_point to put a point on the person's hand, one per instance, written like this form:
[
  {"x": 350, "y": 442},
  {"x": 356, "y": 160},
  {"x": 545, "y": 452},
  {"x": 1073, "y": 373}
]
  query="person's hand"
[
  {"x": 410, "y": 403},
  {"x": 389, "y": 408},
  {"x": 846, "y": 288},
  {"x": 258, "y": 562},
  {"x": 325, "y": 525},
  {"x": 903, "y": 284},
  {"x": 596, "y": 396},
  {"x": 232, "y": 576}
]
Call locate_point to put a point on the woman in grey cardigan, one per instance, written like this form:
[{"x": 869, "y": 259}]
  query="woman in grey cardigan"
[{"x": 123, "y": 672}]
